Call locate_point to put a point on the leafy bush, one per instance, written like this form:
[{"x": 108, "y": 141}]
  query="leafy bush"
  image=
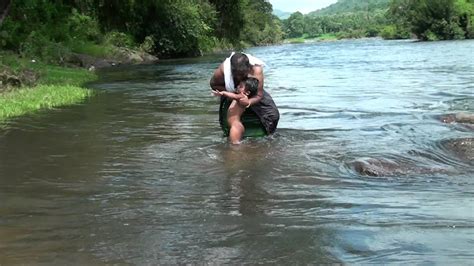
[
  {"x": 392, "y": 32},
  {"x": 470, "y": 28},
  {"x": 389, "y": 32},
  {"x": 456, "y": 32},
  {"x": 295, "y": 40},
  {"x": 372, "y": 31},
  {"x": 3, "y": 38},
  {"x": 119, "y": 39},
  {"x": 39, "y": 47},
  {"x": 430, "y": 36},
  {"x": 148, "y": 44},
  {"x": 434, "y": 19},
  {"x": 83, "y": 27},
  {"x": 89, "y": 48}
]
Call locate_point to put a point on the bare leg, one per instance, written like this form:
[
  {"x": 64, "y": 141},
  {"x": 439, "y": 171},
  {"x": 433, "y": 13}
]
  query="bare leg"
[{"x": 237, "y": 129}]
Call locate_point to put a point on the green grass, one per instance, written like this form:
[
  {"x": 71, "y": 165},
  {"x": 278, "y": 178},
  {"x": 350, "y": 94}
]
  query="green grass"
[
  {"x": 295, "y": 40},
  {"x": 323, "y": 37},
  {"x": 57, "y": 86},
  {"x": 327, "y": 37},
  {"x": 29, "y": 100},
  {"x": 49, "y": 74},
  {"x": 54, "y": 75},
  {"x": 101, "y": 51}
]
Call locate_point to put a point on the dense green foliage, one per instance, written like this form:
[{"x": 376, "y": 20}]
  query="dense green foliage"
[
  {"x": 50, "y": 29},
  {"x": 344, "y": 19},
  {"x": 433, "y": 19},
  {"x": 350, "y": 6},
  {"x": 391, "y": 19},
  {"x": 263, "y": 29}
]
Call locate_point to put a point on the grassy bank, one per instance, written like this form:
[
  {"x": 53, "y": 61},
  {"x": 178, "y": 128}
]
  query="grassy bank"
[
  {"x": 57, "y": 86},
  {"x": 321, "y": 38},
  {"x": 327, "y": 37}
]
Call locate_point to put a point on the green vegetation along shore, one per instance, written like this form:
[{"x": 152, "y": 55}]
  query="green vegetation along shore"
[
  {"x": 426, "y": 20},
  {"x": 52, "y": 86},
  {"x": 67, "y": 37},
  {"x": 321, "y": 38}
]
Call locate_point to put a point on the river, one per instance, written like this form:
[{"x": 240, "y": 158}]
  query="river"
[{"x": 141, "y": 173}]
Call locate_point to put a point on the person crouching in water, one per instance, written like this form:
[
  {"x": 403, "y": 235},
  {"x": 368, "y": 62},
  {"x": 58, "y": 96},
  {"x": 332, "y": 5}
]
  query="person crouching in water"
[{"x": 233, "y": 71}]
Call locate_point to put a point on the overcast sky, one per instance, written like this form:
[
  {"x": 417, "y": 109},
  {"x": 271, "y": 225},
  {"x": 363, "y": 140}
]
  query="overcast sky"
[{"x": 304, "y": 6}]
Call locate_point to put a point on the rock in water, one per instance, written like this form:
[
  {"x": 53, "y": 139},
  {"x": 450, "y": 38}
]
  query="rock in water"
[{"x": 461, "y": 148}]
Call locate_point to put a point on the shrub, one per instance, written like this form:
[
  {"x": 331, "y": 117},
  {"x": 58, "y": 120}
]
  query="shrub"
[
  {"x": 470, "y": 28},
  {"x": 430, "y": 36},
  {"x": 38, "y": 46},
  {"x": 83, "y": 27},
  {"x": 147, "y": 44},
  {"x": 119, "y": 39}
]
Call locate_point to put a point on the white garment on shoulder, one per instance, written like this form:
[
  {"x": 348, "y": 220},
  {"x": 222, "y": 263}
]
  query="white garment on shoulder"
[{"x": 229, "y": 80}]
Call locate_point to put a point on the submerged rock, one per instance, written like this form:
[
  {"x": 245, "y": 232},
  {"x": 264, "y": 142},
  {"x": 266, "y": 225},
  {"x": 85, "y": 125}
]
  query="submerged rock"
[
  {"x": 457, "y": 118},
  {"x": 87, "y": 61},
  {"x": 10, "y": 79},
  {"x": 129, "y": 56},
  {"x": 375, "y": 167},
  {"x": 121, "y": 56},
  {"x": 461, "y": 148},
  {"x": 384, "y": 167}
]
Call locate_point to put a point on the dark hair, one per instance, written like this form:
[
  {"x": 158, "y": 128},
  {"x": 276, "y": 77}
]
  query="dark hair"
[
  {"x": 251, "y": 85},
  {"x": 239, "y": 65}
]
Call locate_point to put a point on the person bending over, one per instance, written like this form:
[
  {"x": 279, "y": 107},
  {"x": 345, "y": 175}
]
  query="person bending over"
[{"x": 233, "y": 71}]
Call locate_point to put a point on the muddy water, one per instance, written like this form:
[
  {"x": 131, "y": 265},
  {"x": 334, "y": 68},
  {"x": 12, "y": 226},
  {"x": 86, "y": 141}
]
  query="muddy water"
[{"x": 362, "y": 169}]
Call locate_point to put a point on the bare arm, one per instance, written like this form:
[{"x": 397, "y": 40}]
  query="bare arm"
[
  {"x": 233, "y": 96},
  {"x": 217, "y": 81},
  {"x": 230, "y": 95},
  {"x": 257, "y": 73}
]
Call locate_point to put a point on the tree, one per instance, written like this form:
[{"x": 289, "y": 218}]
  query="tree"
[
  {"x": 312, "y": 27},
  {"x": 229, "y": 19},
  {"x": 294, "y": 25},
  {"x": 435, "y": 19},
  {"x": 4, "y": 8},
  {"x": 260, "y": 26},
  {"x": 171, "y": 28}
]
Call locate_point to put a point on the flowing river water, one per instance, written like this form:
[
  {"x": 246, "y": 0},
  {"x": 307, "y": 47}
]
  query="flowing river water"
[{"x": 362, "y": 168}]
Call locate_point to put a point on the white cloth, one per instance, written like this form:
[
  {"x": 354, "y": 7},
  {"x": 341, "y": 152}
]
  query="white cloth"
[{"x": 229, "y": 80}]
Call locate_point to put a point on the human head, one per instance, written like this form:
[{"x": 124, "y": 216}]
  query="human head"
[
  {"x": 251, "y": 86},
  {"x": 240, "y": 66}
]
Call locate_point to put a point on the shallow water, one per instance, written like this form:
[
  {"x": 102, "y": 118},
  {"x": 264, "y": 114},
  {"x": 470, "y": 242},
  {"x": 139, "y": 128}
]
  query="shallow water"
[{"x": 141, "y": 173}]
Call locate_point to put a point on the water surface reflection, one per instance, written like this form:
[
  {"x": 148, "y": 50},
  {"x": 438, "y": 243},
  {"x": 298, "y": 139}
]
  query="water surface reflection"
[{"x": 362, "y": 169}]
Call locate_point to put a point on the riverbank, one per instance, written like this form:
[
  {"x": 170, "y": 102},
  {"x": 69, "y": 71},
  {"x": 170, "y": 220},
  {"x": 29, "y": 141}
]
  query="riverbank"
[
  {"x": 321, "y": 38},
  {"x": 54, "y": 86}
]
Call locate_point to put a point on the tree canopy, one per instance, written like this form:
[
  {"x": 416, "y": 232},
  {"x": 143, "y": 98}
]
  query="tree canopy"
[
  {"x": 169, "y": 28},
  {"x": 391, "y": 19},
  {"x": 434, "y": 19},
  {"x": 50, "y": 29}
]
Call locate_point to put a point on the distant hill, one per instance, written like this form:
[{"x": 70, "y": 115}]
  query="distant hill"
[
  {"x": 346, "y": 6},
  {"x": 281, "y": 14}
]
